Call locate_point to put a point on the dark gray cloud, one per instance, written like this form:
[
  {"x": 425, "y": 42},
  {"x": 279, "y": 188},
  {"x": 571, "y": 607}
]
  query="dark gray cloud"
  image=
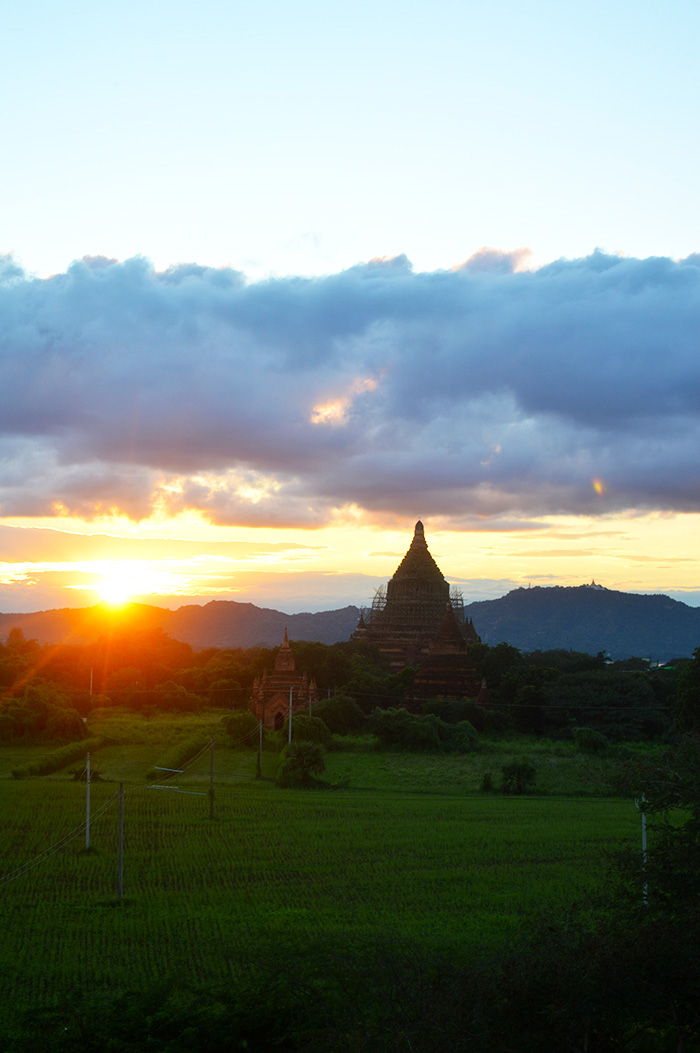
[{"x": 482, "y": 391}]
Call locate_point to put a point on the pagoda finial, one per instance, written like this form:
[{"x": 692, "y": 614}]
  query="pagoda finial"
[{"x": 285, "y": 657}]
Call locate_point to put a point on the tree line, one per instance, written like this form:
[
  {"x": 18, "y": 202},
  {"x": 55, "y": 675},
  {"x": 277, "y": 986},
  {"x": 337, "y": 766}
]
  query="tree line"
[{"x": 45, "y": 690}]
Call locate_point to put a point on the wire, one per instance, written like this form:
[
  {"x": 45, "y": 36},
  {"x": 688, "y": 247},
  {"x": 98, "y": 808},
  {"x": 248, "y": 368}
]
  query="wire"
[{"x": 58, "y": 845}]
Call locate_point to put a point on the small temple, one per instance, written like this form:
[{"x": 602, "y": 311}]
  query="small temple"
[
  {"x": 407, "y": 616},
  {"x": 270, "y": 698}
]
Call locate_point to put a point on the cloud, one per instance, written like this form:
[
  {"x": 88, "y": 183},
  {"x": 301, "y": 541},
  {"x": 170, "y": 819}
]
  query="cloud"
[{"x": 486, "y": 391}]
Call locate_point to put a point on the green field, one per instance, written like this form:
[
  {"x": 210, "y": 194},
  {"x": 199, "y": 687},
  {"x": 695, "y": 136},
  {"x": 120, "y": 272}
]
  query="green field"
[{"x": 401, "y": 852}]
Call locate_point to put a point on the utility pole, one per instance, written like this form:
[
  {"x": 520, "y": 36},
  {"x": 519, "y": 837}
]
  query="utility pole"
[
  {"x": 87, "y": 812},
  {"x": 211, "y": 778},
  {"x": 644, "y": 852},
  {"x": 121, "y": 840},
  {"x": 291, "y": 688},
  {"x": 258, "y": 773},
  {"x": 640, "y": 803}
]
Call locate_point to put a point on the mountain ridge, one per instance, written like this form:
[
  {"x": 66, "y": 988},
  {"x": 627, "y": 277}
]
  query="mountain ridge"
[{"x": 587, "y": 618}]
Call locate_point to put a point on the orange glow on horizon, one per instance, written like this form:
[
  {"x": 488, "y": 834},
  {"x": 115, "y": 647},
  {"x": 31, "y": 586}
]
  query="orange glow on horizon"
[{"x": 183, "y": 561}]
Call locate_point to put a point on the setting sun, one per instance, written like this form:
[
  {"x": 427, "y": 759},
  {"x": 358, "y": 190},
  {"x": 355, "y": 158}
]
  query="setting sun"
[
  {"x": 115, "y": 592},
  {"x": 121, "y": 581}
]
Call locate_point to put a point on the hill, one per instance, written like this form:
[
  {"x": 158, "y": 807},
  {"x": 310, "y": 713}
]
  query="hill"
[
  {"x": 578, "y": 618},
  {"x": 589, "y": 618},
  {"x": 221, "y": 623}
]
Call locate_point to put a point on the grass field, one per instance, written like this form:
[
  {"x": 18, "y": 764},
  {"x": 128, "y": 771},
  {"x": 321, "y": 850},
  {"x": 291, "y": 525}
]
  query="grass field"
[{"x": 404, "y": 853}]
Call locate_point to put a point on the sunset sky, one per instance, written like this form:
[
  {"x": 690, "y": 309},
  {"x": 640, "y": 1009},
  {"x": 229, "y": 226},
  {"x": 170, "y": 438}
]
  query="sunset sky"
[{"x": 278, "y": 280}]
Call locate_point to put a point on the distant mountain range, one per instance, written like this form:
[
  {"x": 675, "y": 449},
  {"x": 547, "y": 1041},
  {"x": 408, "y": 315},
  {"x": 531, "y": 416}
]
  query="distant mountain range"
[
  {"x": 221, "y": 623},
  {"x": 578, "y": 618},
  {"x": 589, "y": 618}
]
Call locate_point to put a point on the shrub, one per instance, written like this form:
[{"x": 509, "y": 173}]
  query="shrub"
[
  {"x": 454, "y": 711},
  {"x": 462, "y": 737},
  {"x": 399, "y": 729},
  {"x": 307, "y": 729},
  {"x": 39, "y": 713},
  {"x": 226, "y": 692},
  {"x": 518, "y": 777},
  {"x": 80, "y": 775},
  {"x": 242, "y": 728},
  {"x": 301, "y": 763},
  {"x": 589, "y": 741},
  {"x": 341, "y": 714},
  {"x": 176, "y": 757},
  {"x": 420, "y": 734},
  {"x": 57, "y": 759},
  {"x": 170, "y": 695}
]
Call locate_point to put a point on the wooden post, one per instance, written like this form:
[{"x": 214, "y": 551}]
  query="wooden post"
[
  {"x": 121, "y": 840},
  {"x": 644, "y": 853},
  {"x": 291, "y": 688},
  {"x": 211, "y": 778},
  {"x": 87, "y": 806}
]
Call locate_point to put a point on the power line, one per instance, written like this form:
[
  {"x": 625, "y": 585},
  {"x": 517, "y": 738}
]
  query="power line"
[{"x": 58, "y": 845}]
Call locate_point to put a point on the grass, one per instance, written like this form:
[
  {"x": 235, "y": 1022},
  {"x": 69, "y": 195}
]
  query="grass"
[
  {"x": 560, "y": 768},
  {"x": 405, "y": 853}
]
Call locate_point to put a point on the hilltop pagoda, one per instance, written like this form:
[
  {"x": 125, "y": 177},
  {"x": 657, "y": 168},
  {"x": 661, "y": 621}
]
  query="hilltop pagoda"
[
  {"x": 407, "y": 615},
  {"x": 270, "y": 699}
]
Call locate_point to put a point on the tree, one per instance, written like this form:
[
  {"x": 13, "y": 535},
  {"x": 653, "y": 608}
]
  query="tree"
[
  {"x": 241, "y": 727},
  {"x": 340, "y": 714},
  {"x": 301, "y": 763},
  {"x": 687, "y": 705}
]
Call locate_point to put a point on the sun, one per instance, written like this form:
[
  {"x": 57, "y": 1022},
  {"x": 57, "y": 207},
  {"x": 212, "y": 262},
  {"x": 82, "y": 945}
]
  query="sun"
[
  {"x": 128, "y": 581},
  {"x": 115, "y": 592}
]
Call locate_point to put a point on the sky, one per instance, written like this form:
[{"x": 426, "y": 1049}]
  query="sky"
[{"x": 278, "y": 280}]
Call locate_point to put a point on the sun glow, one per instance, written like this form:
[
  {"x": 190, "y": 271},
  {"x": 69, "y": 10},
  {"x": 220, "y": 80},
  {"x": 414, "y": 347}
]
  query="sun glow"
[
  {"x": 122, "y": 581},
  {"x": 114, "y": 592}
]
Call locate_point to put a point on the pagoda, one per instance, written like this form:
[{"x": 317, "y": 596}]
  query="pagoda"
[
  {"x": 270, "y": 698},
  {"x": 447, "y": 671},
  {"x": 406, "y": 616}
]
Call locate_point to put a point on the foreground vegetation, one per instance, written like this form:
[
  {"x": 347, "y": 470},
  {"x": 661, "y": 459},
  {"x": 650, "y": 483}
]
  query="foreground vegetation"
[
  {"x": 275, "y": 875},
  {"x": 445, "y": 884},
  {"x": 373, "y": 917}
]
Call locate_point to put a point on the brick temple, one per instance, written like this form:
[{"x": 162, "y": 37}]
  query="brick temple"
[
  {"x": 447, "y": 671},
  {"x": 417, "y": 620},
  {"x": 270, "y": 698}
]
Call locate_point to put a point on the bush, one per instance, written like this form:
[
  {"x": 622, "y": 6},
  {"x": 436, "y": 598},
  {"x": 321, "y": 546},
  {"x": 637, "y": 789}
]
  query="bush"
[
  {"x": 242, "y": 728},
  {"x": 301, "y": 763},
  {"x": 399, "y": 729},
  {"x": 178, "y": 756},
  {"x": 39, "y": 713},
  {"x": 80, "y": 775},
  {"x": 589, "y": 741},
  {"x": 462, "y": 737},
  {"x": 518, "y": 777},
  {"x": 57, "y": 759},
  {"x": 454, "y": 711},
  {"x": 341, "y": 714},
  {"x": 172, "y": 696},
  {"x": 226, "y": 692},
  {"x": 307, "y": 729}
]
